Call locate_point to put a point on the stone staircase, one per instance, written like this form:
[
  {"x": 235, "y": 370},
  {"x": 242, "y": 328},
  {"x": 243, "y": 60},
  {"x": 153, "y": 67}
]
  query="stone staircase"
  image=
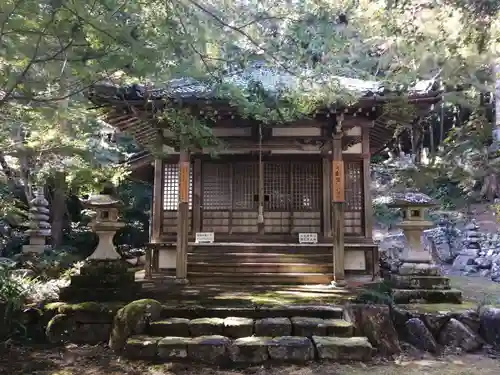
[
  {"x": 232, "y": 335},
  {"x": 265, "y": 263}
]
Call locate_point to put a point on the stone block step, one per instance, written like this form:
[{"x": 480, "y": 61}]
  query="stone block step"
[
  {"x": 420, "y": 282},
  {"x": 258, "y": 267},
  {"x": 405, "y": 296},
  {"x": 238, "y": 327},
  {"x": 236, "y": 277},
  {"x": 287, "y": 311},
  {"x": 214, "y": 349}
]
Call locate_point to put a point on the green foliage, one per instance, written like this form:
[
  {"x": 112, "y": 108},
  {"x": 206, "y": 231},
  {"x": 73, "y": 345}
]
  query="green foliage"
[{"x": 12, "y": 298}]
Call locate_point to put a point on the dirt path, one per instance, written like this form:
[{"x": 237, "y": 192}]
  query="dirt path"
[{"x": 99, "y": 361}]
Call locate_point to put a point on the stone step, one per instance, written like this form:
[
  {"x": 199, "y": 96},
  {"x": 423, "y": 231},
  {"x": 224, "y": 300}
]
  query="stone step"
[
  {"x": 420, "y": 282},
  {"x": 215, "y": 349},
  {"x": 238, "y": 327},
  {"x": 260, "y": 267},
  {"x": 287, "y": 311},
  {"x": 235, "y": 277},
  {"x": 405, "y": 296}
]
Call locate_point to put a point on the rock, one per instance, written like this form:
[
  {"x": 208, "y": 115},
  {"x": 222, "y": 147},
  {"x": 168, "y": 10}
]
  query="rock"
[
  {"x": 461, "y": 261},
  {"x": 173, "y": 347},
  {"x": 209, "y": 349},
  {"x": 399, "y": 318},
  {"x": 176, "y": 327},
  {"x": 419, "y": 336},
  {"x": 131, "y": 320},
  {"x": 291, "y": 348},
  {"x": 250, "y": 350},
  {"x": 483, "y": 262},
  {"x": 273, "y": 327},
  {"x": 141, "y": 347},
  {"x": 235, "y": 327},
  {"x": 206, "y": 327},
  {"x": 60, "y": 329},
  {"x": 471, "y": 319},
  {"x": 374, "y": 322},
  {"x": 489, "y": 318},
  {"x": 308, "y": 327},
  {"x": 343, "y": 348},
  {"x": 435, "y": 322},
  {"x": 457, "y": 334},
  {"x": 339, "y": 328}
]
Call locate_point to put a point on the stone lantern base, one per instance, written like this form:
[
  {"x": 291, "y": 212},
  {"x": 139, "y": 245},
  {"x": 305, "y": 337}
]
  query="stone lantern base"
[
  {"x": 422, "y": 282},
  {"x": 100, "y": 281}
]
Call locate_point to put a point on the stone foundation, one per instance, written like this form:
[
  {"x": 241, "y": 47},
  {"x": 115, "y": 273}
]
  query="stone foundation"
[{"x": 102, "y": 280}]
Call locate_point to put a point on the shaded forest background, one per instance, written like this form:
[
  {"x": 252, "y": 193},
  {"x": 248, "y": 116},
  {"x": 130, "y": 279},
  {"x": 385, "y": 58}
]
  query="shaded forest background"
[{"x": 53, "y": 51}]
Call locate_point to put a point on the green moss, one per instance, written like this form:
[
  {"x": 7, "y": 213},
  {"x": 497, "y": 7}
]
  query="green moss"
[
  {"x": 131, "y": 319},
  {"x": 440, "y": 307},
  {"x": 339, "y": 322},
  {"x": 91, "y": 307},
  {"x": 53, "y": 306}
]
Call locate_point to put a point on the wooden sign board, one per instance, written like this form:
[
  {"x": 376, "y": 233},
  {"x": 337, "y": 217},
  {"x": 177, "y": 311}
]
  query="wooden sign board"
[
  {"x": 184, "y": 182},
  {"x": 338, "y": 181}
]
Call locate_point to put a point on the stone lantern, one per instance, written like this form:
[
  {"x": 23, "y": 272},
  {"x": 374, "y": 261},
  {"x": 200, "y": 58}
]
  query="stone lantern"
[
  {"x": 39, "y": 223},
  {"x": 418, "y": 279},
  {"x": 414, "y": 206},
  {"x": 105, "y": 276},
  {"x": 105, "y": 224}
]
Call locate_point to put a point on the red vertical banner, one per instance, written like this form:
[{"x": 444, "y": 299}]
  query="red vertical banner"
[
  {"x": 338, "y": 181},
  {"x": 184, "y": 182}
]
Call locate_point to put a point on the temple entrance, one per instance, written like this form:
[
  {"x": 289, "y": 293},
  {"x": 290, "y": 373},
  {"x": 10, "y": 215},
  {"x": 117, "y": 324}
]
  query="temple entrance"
[{"x": 286, "y": 192}]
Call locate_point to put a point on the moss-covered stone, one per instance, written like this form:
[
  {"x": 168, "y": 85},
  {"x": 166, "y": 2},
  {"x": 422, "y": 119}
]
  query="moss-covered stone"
[
  {"x": 60, "y": 329},
  {"x": 308, "y": 327},
  {"x": 206, "y": 326},
  {"x": 343, "y": 348},
  {"x": 97, "y": 268},
  {"x": 141, "y": 347},
  {"x": 339, "y": 327},
  {"x": 132, "y": 320},
  {"x": 250, "y": 349},
  {"x": 405, "y": 296},
  {"x": 174, "y": 327}
]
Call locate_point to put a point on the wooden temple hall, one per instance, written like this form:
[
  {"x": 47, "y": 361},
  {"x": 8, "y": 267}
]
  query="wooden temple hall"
[{"x": 279, "y": 203}]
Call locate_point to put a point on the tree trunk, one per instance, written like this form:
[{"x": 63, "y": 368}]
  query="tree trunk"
[{"x": 58, "y": 209}]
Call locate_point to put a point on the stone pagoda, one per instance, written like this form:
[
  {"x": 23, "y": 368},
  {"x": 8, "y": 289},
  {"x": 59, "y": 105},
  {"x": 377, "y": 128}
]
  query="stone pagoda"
[
  {"x": 105, "y": 275},
  {"x": 39, "y": 223},
  {"x": 418, "y": 278}
]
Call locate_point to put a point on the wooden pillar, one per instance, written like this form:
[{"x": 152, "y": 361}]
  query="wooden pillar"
[
  {"x": 338, "y": 197},
  {"x": 197, "y": 196},
  {"x": 182, "y": 218},
  {"x": 156, "y": 217},
  {"x": 157, "y": 203},
  {"x": 368, "y": 207},
  {"x": 327, "y": 200}
]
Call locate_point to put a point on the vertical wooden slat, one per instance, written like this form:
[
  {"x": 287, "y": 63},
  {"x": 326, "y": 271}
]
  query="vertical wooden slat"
[
  {"x": 338, "y": 217},
  {"x": 197, "y": 195},
  {"x": 231, "y": 198},
  {"x": 326, "y": 185},
  {"x": 157, "y": 201},
  {"x": 368, "y": 207},
  {"x": 292, "y": 201},
  {"x": 182, "y": 218}
]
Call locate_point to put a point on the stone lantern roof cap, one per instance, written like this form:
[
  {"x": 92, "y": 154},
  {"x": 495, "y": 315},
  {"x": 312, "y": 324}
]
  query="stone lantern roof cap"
[
  {"x": 102, "y": 201},
  {"x": 411, "y": 199}
]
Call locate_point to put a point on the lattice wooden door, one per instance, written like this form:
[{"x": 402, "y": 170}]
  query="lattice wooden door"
[
  {"x": 292, "y": 197},
  {"x": 229, "y": 197}
]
